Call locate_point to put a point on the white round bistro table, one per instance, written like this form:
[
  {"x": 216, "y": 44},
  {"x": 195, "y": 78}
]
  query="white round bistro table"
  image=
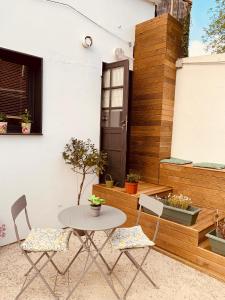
[{"x": 80, "y": 218}]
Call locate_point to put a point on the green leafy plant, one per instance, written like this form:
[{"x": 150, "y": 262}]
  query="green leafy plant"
[
  {"x": 84, "y": 159},
  {"x": 26, "y": 117},
  {"x": 178, "y": 201},
  {"x": 3, "y": 117},
  {"x": 96, "y": 201},
  {"x": 133, "y": 178},
  {"x": 214, "y": 34}
]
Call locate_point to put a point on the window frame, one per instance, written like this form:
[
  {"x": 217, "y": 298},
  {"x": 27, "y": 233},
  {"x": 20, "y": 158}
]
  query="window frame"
[{"x": 35, "y": 86}]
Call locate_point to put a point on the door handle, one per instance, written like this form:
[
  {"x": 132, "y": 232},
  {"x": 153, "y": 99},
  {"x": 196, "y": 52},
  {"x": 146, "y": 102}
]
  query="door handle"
[{"x": 124, "y": 124}]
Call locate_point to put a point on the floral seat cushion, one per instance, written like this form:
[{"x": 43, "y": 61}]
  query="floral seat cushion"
[
  {"x": 48, "y": 239},
  {"x": 133, "y": 237}
]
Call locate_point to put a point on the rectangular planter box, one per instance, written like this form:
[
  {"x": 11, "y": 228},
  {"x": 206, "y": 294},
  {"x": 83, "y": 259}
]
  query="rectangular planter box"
[
  {"x": 186, "y": 217},
  {"x": 217, "y": 243}
]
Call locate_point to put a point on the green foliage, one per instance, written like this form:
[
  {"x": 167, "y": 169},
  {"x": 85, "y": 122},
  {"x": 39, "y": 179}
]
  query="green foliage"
[
  {"x": 186, "y": 34},
  {"x": 3, "y": 117},
  {"x": 214, "y": 36},
  {"x": 179, "y": 201},
  {"x": 96, "y": 201},
  {"x": 133, "y": 177},
  {"x": 26, "y": 117},
  {"x": 84, "y": 159}
]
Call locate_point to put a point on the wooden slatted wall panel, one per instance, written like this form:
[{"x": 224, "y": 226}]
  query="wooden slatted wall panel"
[
  {"x": 206, "y": 187},
  {"x": 157, "y": 47}
]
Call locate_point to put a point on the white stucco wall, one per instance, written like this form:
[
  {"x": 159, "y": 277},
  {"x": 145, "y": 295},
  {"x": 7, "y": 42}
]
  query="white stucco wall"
[
  {"x": 33, "y": 165},
  {"x": 199, "y": 116}
]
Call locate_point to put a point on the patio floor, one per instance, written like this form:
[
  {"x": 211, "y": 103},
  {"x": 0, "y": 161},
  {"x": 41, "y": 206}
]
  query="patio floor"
[{"x": 176, "y": 281}]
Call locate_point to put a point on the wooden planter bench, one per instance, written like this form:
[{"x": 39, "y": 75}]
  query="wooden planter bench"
[{"x": 187, "y": 244}]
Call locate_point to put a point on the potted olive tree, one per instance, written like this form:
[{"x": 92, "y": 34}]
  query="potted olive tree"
[
  {"x": 217, "y": 236},
  {"x": 3, "y": 123},
  {"x": 131, "y": 183},
  {"x": 96, "y": 204},
  {"x": 26, "y": 122},
  {"x": 84, "y": 159}
]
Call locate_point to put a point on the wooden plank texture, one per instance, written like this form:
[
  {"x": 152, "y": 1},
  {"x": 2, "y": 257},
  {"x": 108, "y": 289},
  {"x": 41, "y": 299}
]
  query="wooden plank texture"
[
  {"x": 206, "y": 187},
  {"x": 157, "y": 47},
  {"x": 185, "y": 243}
]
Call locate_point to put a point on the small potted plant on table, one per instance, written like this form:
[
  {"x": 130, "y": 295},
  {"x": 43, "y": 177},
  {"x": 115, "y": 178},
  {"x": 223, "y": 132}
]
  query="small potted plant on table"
[
  {"x": 3, "y": 123},
  {"x": 131, "y": 184},
  {"x": 26, "y": 122},
  {"x": 217, "y": 236},
  {"x": 96, "y": 204}
]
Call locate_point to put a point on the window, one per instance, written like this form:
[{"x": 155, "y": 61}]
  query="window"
[{"x": 21, "y": 89}]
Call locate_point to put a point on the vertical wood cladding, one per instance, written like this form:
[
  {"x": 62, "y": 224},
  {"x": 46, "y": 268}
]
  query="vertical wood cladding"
[{"x": 157, "y": 47}]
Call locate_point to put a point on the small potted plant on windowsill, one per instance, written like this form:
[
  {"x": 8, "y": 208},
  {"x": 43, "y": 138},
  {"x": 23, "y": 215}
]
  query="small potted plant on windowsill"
[
  {"x": 217, "y": 236},
  {"x": 96, "y": 203},
  {"x": 26, "y": 122},
  {"x": 131, "y": 184},
  {"x": 3, "y": 123}
]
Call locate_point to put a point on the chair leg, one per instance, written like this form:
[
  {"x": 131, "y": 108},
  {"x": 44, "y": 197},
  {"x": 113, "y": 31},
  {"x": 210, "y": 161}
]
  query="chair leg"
[
  {"x": 139, "y": 267},
  {"x": 38, "y": 273},
  {"x": 141, "y": 270},
  {"x": 53, "y": 264},
  {"x": 113, "y": 267},
  {"x": 35, "y": 264}
]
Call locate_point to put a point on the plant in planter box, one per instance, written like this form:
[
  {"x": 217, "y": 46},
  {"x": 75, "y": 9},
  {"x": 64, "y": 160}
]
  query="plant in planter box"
[
  {"x": 217, "y": 236},
  {"x": 84, "y": 159},
  {"x": 96, "y": 203},
  {"x": 3, "y": 123},
  {"x": 178, "y": 208},
  {"x": 179, "y": 201},
  {"x": 26, "y": 122},
  {"x": 131, "y": 184}
]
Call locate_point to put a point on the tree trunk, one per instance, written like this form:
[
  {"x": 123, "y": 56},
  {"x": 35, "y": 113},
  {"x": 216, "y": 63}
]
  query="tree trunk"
[{"x": 81, "y": 187}]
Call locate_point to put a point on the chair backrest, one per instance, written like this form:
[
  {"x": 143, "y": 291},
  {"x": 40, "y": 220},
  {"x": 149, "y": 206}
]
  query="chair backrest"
[
  {"x": 153, "y": 205},
  {"x": 19, "y": 206}
]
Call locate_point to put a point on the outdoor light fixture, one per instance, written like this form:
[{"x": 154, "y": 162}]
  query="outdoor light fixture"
[{"x": 87, "y": 41}]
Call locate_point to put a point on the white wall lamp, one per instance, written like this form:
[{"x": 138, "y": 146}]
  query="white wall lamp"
[{"x": 87, "y": 41}]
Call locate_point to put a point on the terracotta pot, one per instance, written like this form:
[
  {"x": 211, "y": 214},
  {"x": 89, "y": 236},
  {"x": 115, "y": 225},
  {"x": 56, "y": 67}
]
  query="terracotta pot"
[
  {"x": 95, "y": 210},
  {"x": 131, "y": 187},
  {"x": 26, "y": 127},
  {"x": 3, "y": 127}
]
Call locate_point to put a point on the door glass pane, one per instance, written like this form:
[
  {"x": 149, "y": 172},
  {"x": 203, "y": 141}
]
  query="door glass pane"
[
  {"x": 117, "y": 76},
  {"x": 115, "y": 118},
  {"x": 106, "y": 79},
  {"x": 105, "y": 99},
  {"x": 117, "y": 98},
  {"x": 105, "y": 118}
]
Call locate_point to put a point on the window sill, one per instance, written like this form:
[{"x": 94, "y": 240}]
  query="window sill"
[{"x": 18, "y": 133}]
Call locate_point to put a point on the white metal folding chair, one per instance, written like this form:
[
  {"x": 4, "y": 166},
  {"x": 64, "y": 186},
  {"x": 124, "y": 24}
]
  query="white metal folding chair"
[
  {"x": 39, "y": 240},
  {"x": 127, "y": 239}
]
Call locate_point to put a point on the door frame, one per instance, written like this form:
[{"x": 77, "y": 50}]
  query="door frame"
[{"x": 125, "y": 113}]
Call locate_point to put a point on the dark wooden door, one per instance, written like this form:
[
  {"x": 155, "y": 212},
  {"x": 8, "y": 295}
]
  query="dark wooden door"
[{"x": 114, "y": 113}]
